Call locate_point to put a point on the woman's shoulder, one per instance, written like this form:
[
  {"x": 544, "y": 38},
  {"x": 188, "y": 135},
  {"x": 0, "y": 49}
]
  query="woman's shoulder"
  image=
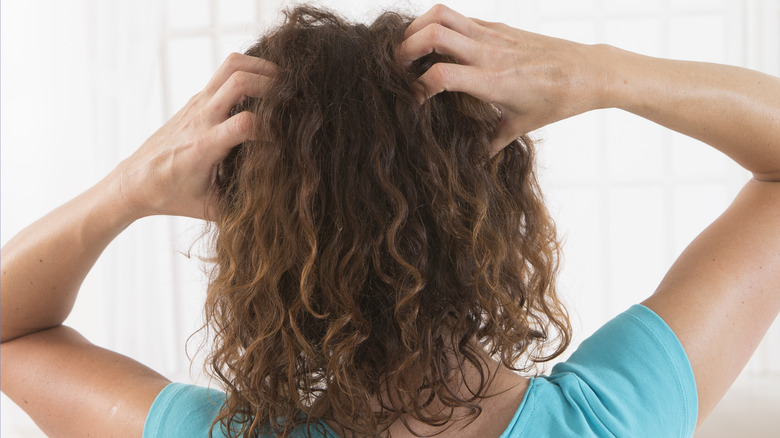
[
  {"x": 620, "y": 382},
  {"x": 184, "y": 410}
]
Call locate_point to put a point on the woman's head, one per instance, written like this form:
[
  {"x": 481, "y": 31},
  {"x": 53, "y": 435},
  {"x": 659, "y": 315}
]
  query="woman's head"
[{"x": 367, "y": 244}]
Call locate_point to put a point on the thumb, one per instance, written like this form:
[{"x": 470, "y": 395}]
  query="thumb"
[{"x": 504, "y": 136}]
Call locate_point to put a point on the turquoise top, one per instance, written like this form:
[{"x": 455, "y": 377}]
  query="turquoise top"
[{"x": 631, "y": 378}]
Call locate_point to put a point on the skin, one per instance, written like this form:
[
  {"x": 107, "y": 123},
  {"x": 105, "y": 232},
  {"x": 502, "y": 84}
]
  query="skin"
[
  {"x": 720, "y": 296},
  {"x": 67, "y": 385}
]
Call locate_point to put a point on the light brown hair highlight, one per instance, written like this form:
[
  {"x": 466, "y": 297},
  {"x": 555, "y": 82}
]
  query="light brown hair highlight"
[{"x": 367, "y": 246}]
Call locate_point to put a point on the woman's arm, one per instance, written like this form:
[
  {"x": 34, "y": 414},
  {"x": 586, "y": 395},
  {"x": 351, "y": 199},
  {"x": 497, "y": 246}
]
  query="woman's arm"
[
  {"x": 171, "y": 173},
  {"x": 722, "y": 294},
  {"x": 734, "y": 110},
  {"x": 66, "y": 384},
  {"x": 44, "y": 265}
]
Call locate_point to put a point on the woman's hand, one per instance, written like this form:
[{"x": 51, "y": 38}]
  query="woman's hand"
[
  {"x": 173, "y": 171},
  {"x": 721, "y": 295},
  {"x": 44, "y": 265},
  {"x": 532, "y": 79}
]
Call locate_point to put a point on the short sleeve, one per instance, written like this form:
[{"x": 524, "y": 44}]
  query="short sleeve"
[
  {"x": 183, "y": 411},
  {"x": 635, "y": 377},
  {"x": 187, "y": 411}
]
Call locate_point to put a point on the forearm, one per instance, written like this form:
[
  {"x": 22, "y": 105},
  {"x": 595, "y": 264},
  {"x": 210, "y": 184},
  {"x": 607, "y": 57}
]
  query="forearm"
[
  {"x": 44, "y": 265},
  {"x": 170, "y": 174},
  {"x": 735, "y": 110}
]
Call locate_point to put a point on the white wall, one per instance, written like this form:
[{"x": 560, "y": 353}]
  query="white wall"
[{"x": 84, "y": 82}]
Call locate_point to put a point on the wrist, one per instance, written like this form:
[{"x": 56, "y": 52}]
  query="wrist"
[
  {"x": 595, "y": 81},
  {"x": 625, "y": 82},
  {"x": 609, "y": 77},
  {"x": 116, "y": 200}
]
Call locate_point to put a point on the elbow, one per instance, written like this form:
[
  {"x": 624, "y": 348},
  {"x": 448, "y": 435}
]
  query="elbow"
[
  {"x": 8, "y": 334},
  {"x": 773, "y": 176}
]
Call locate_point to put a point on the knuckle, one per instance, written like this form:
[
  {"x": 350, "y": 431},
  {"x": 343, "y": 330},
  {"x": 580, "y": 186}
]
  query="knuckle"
[
  {"x": 435, "y": 32},
  {"x": 233, "y": 59},
  {"x": 195, "y": 99},
  {"x": 237, "y": 79},
  {"x": 214, "y": 106},
  {"x": 440, "y": 75},
  {"x": 439, "y": 10},
  {"x": 493, "y": 53},
  {"x": 495, "y": 77},
  {"x": 502, "y": 27},
  {"x": 244, "y": 123}
]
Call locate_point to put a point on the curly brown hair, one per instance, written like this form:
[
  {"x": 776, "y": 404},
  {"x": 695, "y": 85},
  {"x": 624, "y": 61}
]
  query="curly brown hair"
[{"x": 367, "y": 246}]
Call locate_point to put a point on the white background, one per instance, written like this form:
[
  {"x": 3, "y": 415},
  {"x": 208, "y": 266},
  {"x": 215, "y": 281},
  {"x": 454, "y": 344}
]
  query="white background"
[{"x": 84, "y": 82}]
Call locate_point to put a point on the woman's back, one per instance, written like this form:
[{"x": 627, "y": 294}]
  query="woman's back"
[{"x": 507, "y": 390}]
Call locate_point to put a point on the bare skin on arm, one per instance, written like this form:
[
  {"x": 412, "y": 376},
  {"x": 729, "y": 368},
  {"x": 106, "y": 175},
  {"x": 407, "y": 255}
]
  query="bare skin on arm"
[
  {"x": 721, "y": 295},
  {"x": 69, "y": 386}
]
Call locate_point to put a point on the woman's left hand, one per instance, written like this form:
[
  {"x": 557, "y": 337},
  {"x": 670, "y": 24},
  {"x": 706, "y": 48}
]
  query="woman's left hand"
[
  {"x": 173, "y": 171},
  {"x": 534, "y": 80}
]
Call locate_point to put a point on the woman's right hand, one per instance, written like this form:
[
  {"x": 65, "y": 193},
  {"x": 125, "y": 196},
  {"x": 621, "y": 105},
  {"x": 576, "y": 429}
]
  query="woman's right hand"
[
  {"x": 173, "y": 172},
  {"x": 721, "y": 295},
  {"x": 534, "y": 80}
]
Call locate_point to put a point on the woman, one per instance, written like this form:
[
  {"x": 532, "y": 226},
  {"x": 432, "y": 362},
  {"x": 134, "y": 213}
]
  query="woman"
[{"x": 393, "y": 286}]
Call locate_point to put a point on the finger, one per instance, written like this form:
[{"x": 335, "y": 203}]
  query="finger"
[
  {"x": 238, "y": 62},
  {"x": 472, "y": 80},
  {"x": 231, "y": 133},
  {"x": 446, "y": 17},
  {"x": 230, "y": 94},
  {"x": 440, "y": 39},
  {"x": 477, "y": 82}
]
